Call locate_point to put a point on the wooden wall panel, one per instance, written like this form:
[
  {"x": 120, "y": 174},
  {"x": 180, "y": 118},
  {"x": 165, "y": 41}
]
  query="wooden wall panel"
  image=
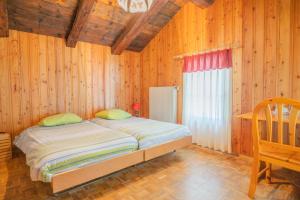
[
  {"x": 40, "y": 77},
  {"x": 269, "y": 52},
  {"x": 295, "y": 58},
  {"x": 237, "y": 37},
  {"x": 266, "y": 66},
  {"x": 247, "y": 71},
  {"x": 193, "y": 29},
  {"x": 284, "y": 52}
]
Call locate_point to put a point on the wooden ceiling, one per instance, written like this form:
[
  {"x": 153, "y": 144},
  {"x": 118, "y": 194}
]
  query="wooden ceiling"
[{"x": 95, "y": 21}]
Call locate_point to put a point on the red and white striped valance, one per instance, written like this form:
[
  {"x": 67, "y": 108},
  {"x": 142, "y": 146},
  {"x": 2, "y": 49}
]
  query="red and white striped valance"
[{"x": 208, "y": 61}]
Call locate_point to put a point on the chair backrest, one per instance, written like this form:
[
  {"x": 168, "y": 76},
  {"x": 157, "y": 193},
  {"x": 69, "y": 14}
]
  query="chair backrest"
[{"x": 279, "y": 111}]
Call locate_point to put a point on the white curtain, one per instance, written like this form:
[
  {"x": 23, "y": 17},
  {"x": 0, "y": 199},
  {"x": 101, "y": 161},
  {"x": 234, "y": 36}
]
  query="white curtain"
[{"x": 207, "y": 107}]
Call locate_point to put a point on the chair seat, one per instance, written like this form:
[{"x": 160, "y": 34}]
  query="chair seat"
[
  {"x": 280, "y": 154},
  {"x": 274, "y": 152},
  {"x": 295, "y": 159}
]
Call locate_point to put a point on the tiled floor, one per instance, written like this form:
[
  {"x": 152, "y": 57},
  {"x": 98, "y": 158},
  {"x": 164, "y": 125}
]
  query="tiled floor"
[{"x": 189, "y": 174}]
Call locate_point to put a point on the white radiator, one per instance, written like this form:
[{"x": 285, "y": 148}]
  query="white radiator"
[{"x": 163, "y": 104}]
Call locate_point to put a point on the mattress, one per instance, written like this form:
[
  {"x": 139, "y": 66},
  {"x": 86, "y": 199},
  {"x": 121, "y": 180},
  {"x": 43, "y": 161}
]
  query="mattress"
[
  {"x": 52, "y": 150},
  {"x": 148, "y": 132}
]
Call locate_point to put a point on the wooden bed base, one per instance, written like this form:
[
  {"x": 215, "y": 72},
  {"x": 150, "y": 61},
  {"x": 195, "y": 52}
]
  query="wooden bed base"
[
  {"x": 72, "y": 178},
  {"x": 76, "y": 177},
  {"x": 165, "y": 148}
]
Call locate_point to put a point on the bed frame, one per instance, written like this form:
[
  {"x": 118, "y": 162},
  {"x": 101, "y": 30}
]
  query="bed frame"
[
  {"x": 72, "y": 178},
  {"x": 165, "y": 148}
]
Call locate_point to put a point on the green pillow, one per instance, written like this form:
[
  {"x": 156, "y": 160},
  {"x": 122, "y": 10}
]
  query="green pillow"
[
  {"x": 113, "y": 114},
  {"x": 60, "y": 119}
]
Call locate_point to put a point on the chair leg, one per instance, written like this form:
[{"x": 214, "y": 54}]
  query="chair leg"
[
  {"x": 268, "y": 173},
  {"x": 253, "y": 179}
]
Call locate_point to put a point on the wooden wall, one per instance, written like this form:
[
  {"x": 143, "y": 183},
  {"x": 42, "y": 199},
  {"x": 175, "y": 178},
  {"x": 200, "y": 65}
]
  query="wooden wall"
[
  {"x": 192, "y": 29},
  {"x": 265, "y": 36},
  {"x": 39, "y": 76},
  {"x": 271, "y": 64}
]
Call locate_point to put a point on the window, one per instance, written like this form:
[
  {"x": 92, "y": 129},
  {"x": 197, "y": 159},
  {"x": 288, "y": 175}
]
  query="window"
[{"x": 207, "y": 100}]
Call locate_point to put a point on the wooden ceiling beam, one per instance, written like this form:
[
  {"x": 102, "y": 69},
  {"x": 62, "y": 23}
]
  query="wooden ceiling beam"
[
  {"x": 3, "y": 19},
  {"x": 135, "y": 27},
  {"x": 203, "y": 3},
  {"x": 83, "y": 11}
]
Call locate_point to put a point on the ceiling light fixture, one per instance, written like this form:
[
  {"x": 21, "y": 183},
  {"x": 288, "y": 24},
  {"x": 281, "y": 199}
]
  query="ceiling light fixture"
[{"x": 135, "y": 6}]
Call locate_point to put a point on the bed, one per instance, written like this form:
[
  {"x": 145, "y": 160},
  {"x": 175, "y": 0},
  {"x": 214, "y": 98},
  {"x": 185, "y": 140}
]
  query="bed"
[
  {"x": 70, "y": 155},
  {"x": 154, "y": 137},
  {"x": 66, "y": 155}
]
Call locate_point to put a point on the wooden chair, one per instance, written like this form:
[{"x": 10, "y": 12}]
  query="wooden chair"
[{"x": 274, "y": 152}]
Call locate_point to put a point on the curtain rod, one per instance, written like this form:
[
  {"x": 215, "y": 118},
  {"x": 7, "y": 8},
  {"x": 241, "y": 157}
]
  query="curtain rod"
[{"x": 181, "y": 56}]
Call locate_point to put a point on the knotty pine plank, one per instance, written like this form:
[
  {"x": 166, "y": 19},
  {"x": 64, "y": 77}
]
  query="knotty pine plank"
[
  {"x": 35, "y": 77},
  {"x": 247, "y": 71},
  {"x": 52, "y": 70},
  {"x": 271, "y": 53},
  {"x": 68, "y": 80},
  {"x": 15, "y": 76},
  {"x": 258, "y": 51},
  {"x": 296, "y": 50},
  {"x": 5, "y": 82},
  {"x": 284, "y": 51},
  {"x": 96, "y": 53},
  {"x": 89, "y": 83},
  {"x": 237, "y": 22},
  {"x": 75, "y": 80},
  {"x": 60, "y": 76},
  {"x": 228, "y": 22},
  {"x": 82, "y": 90},
  {"x": 43, "y": 76},
  {"x": 236, "y": 99},
  {"x": 25, "y": 80}
]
